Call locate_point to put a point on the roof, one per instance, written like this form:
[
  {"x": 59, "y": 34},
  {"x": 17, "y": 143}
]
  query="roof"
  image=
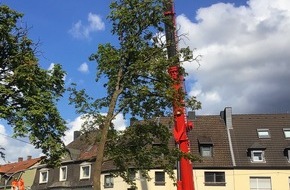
[
  {"x": 210, "y": 129},
  {"x": 83, "y": 147},
  {"x": 245, "y": 138},
  {"x": 19, "y": 166},
  {"x": 207, "y": 130}
]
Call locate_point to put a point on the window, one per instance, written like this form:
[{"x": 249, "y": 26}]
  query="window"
[
  {"x": 287, "y": 153},
  {"x": 159, "y": 178},
  {"x": 260, "y": 183},
  {"x": 206, "y": 150},
  {"x": 132, "y": 175},
  {"x": 109, "y": 181},
  {"x": 214, "y": 179},
  {"x": 257, "y": 156},
  {"x": 263, "y": 133},
  {"x": 43, "y": 175},
  {"x": 62, "y": 173},
  {"x": 286, "y": 132},
  {"x": 85, "y": 170}
]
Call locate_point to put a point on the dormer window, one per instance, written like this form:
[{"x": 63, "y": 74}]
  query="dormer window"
[
  {"x": 287, "y": 153},
  {"x": 257, "y": 156},
  {"x": 43, "y": 175},
  {"x": 263, "y": 133},
  {"x": 206, "y": 150},
  {"x": 257, "y": 153},
  {"x": 205, "y": 146},
  {"x": 85, "y": 170}
]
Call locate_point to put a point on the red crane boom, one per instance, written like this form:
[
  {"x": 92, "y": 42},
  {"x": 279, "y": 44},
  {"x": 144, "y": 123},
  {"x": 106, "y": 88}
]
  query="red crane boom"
[{"x": 181, "y": 125}]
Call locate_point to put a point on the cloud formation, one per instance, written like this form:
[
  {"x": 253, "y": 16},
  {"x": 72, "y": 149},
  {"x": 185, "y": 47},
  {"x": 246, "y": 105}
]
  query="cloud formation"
[
  {"x": 83, "y": 31},
  {"x": 245, "y": 63},
  {"x": 15, "y": 148},
  {"x": 75, "y": 125},
  {"x": 83, "y": 68}
]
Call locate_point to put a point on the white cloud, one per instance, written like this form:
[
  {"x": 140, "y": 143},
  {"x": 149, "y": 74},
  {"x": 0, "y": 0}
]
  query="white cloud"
[
  {"x": 245, "y": 61},
  {"x": 81, "y": 31},
  {"x": 15, "y": 148},
  {"x": 84, "y": 68},
  {"x": 75, "y": 125}
]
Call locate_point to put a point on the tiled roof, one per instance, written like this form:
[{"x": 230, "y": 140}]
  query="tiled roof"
[
  {"x": 245, "y": 137},
  {"x": 18, "y": 166},
  {"x": 210, "y": 129},
  {"x": 85, "y": 147}
]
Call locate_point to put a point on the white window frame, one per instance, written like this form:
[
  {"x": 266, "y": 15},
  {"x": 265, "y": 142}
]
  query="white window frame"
[
  {"x": 62, "y": 175},
  {"x": 286, "y": 132},
  {"x": 108, "y": 181},
  {"x": 43, "y": 172},
  {"x": 206, "y": 150},
  {"x": 82, "y": 167},
  {"x": 159, "y": 175},
  {"x": 263, "y": 133},
  {"x": 258, "y": 158},
  {"x": 258, "y": 183}
]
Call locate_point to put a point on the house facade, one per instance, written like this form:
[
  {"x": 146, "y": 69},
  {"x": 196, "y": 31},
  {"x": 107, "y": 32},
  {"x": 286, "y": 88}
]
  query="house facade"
[
  {"x": 23, "y": 169},
  {"x": 238, "y": 152}
]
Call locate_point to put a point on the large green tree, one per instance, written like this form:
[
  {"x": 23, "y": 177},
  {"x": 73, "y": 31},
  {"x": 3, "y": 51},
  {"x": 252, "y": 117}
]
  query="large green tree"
[
  {"x": 136, "y": 80},
  {"x": 28, "y": 93}
]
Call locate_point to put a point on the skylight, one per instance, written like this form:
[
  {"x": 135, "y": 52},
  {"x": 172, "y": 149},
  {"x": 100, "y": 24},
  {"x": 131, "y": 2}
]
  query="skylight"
[
  {"x": 286, "y": 132},
  {"x": 264, "y": 133}
]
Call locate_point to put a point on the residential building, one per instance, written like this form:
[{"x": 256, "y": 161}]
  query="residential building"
[
  {"x": 238, "y": 152},
  {"x": 23, "y": 169},
  {"x": 261, "y": 145}
]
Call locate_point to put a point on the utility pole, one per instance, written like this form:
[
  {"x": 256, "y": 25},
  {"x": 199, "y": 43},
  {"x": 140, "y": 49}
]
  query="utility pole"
[{"x": 181, "y": 125}]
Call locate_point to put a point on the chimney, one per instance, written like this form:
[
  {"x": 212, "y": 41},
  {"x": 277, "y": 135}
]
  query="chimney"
[
  {"x": 76, "y": 134},
  {"x": 228, "y": 117},
  {"x": 29, "y": 157},
  {"x": 191, "y": 115},
  {"x": 20, "y": 159}
]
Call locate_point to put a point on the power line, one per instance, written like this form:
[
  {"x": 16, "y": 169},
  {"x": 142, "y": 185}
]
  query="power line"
[{"x": 15, "y": 139}]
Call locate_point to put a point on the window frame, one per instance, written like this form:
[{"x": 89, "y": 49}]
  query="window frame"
[
  {"x": 41, "y": 175},
  {"x": 132, "y": 175},
  {"x": 110, "y": 177},
  {"x": 261, "y": 133},
  {"x": 202, "y": 150},
  {"x": 61, "y": 172},
  {"x": 82, "y": 166},
  {"x": 215, "y": 175},
  {"x": 285, "y": 132},
  {"x": 257, "y": 187},
  {"x": 253, "y": 156},
  {"x": 159, "y": 178}
]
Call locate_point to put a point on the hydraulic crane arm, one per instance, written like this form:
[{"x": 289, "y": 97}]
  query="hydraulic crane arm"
[{"x": 181, "y": 126}]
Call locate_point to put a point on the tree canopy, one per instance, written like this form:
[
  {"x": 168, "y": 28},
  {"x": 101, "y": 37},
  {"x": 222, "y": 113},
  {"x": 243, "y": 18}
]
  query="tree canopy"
[
  {"x": 28, "y": 93},
  {"x": 136, "y": 79}
]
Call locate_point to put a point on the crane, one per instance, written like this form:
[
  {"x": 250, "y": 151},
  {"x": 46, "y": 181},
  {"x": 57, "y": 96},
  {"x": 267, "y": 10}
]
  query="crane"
[{"x": 181, "y": 125}]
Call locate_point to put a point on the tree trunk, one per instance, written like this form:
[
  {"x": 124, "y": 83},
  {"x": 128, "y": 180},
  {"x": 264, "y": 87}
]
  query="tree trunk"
[{"x": 101, "y": 146}]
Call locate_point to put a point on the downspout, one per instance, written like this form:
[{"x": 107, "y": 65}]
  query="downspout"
[{"x": 229, "y": 125}]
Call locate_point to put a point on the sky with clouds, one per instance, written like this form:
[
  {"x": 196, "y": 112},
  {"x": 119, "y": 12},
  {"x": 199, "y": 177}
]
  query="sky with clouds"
[{"x": 244, "y": 46}]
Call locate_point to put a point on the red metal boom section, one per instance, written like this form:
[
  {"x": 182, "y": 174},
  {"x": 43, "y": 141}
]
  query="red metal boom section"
[{"x": 184, "y": 167}]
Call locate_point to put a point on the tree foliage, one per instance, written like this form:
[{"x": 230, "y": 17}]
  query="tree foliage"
[
  {"x": 28, "y": 93},
  {"x": 143, "y": 146},
  {"x": 135, "y": 75}
]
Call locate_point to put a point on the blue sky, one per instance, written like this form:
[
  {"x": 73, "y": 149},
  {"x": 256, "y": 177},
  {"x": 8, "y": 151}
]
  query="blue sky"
[{"x": 244, "y": 48}]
